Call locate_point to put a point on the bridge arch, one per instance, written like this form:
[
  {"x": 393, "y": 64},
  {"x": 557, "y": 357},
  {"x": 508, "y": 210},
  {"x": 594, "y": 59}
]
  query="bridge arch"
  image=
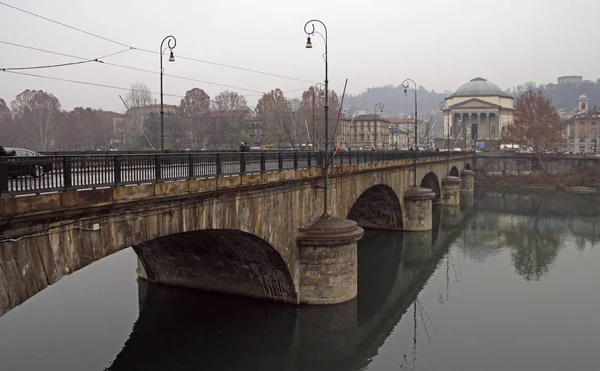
[
  {"x": 377, "y": 207},
  {"x": 454, "y": 171},
  {"x": 431, "y": 181},
  {"x": 223, "y": 260}
]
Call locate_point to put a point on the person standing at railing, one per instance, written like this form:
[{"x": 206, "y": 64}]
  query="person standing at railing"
[
  {"x": 4, "y": 152},
  {"x": 243, "y": 147}
]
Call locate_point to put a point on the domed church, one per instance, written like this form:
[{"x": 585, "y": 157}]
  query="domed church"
[{"x": 477, "y": 114}]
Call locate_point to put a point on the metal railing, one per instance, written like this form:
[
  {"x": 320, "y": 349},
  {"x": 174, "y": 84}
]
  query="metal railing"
[{"x": 43, "y": 174}]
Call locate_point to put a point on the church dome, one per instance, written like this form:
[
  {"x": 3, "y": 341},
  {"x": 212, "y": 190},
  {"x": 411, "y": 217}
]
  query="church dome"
[
  {"x": 479, "y": 87},
  {"x": 583, "y": 97}
]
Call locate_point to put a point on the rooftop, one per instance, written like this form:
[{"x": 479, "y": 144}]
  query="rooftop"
[
  {"x": 479, "y": 87},
  {"x": 370, "y": 117}
]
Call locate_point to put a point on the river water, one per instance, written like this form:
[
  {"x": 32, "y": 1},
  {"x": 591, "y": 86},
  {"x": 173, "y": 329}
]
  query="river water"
[{"x": 509, "y": 282}]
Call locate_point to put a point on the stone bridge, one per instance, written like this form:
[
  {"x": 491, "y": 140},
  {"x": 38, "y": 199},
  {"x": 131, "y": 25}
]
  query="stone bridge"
[{"x": 253, "y": 235}]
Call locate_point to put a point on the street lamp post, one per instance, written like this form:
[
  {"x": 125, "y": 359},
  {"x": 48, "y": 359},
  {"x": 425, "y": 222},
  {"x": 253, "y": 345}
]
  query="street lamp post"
[
  {"x": 380, "y": 106},
  {"x": 171, "y": 43},
  {"x": 444, "y": 105},
  {"x": 313, "y": 113},
  {"x": 326, "y": 106},
  {"x": 407, "y": 84}
]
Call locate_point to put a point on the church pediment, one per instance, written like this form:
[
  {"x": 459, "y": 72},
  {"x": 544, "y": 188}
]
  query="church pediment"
[{"x": 474, "y": 103}]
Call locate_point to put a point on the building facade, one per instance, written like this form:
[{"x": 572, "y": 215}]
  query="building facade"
[
  {"x": 254, "y": 129},
  {"x": 567, "y": 80},
  {"x": 366, "y": 132},
  {"x": 582, "y": 128},
  {"x": 477, "y": 114},
  {"x": 402, "y": 132}
]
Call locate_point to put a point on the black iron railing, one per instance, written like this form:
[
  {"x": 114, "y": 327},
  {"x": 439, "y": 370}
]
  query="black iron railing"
[{"x": 51, "y": 173}]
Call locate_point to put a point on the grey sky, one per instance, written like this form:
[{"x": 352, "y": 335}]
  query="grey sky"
[{"x": 438, "y": 43}]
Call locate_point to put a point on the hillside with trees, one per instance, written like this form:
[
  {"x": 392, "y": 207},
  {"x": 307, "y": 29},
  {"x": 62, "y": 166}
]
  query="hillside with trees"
[
  {"x": 396, "y": 103},
  {"x": 563, "y": 95}
]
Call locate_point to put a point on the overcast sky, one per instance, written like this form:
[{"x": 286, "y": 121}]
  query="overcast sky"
[{"x": 438, "y": 43}]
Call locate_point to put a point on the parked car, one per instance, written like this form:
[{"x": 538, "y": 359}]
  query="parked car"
[{"x": 36, "y": 167}]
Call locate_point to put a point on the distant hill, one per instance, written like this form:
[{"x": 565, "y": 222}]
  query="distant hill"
[
  {"x": 396, "y": 103},
  {"x": 564, "y": 95}
]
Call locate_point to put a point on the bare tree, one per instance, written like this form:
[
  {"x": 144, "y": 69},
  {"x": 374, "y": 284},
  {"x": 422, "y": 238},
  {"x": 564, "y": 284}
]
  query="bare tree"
[
  {"x": 193, "y": 111},
  {"x": 312, "y": 105},
  {"x": 10, "y": 134},
  {"x": 36, "y": 114},
  {"x": 536, "y": 125},
  {"x": 138, "y": 100},
  {"x": 229, "y": 112},
  {"x": 84, "y": 128},
  {"x": 275, "y": 112}
]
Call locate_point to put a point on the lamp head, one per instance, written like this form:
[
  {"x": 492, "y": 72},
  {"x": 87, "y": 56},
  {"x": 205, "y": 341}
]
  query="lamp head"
[
  {"x": 405, "y": 92},
  {"x": 171, "y": 57},
  {"x": 308, "y": 43}
]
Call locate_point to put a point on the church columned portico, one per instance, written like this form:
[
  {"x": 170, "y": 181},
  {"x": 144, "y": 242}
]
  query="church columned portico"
[{"x": 477, "y": 114}]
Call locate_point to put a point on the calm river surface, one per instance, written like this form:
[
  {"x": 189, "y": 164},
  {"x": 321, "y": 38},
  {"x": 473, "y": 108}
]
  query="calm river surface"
[{"x": 510, "y": 281}]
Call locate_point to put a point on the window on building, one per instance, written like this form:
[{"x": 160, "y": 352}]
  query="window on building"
[
  {"x": 594, "y": 122},
  {"x": 582, "y": 133},
  {"x": 493, "y": 131}
]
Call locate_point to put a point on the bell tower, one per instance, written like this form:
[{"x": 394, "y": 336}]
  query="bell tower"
[{"x": 583, "y": 104}]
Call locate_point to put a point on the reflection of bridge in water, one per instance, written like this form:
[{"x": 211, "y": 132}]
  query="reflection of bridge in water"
[
  {"x": 547, "y": 203},
  {"x": 532, "y": 225},
  {"x": 178, "y": 328},
  {"x": 581, "y": 211}
]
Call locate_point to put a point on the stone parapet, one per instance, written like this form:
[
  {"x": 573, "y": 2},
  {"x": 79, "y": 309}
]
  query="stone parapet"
[{"x": 328, "y": 261}]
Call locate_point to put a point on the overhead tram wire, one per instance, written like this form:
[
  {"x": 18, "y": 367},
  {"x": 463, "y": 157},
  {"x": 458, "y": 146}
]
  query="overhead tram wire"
[
  {"x": 63, "y": 24},
  {"x": 7, "y": 69},
  {"x": 44, "y": 50},
  {"x": 151, "y": 51},
  {"x": 230, "y": 66},
  {"x": 259, "y": 93},
  {"x": 86, "y": 83},
  {"x": 63, "y": 54},
  {"x": 96, "y": 84}
]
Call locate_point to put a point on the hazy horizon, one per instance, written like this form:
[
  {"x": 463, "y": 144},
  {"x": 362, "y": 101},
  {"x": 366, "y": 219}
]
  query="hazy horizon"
[{"x": 439, "y": 44}]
